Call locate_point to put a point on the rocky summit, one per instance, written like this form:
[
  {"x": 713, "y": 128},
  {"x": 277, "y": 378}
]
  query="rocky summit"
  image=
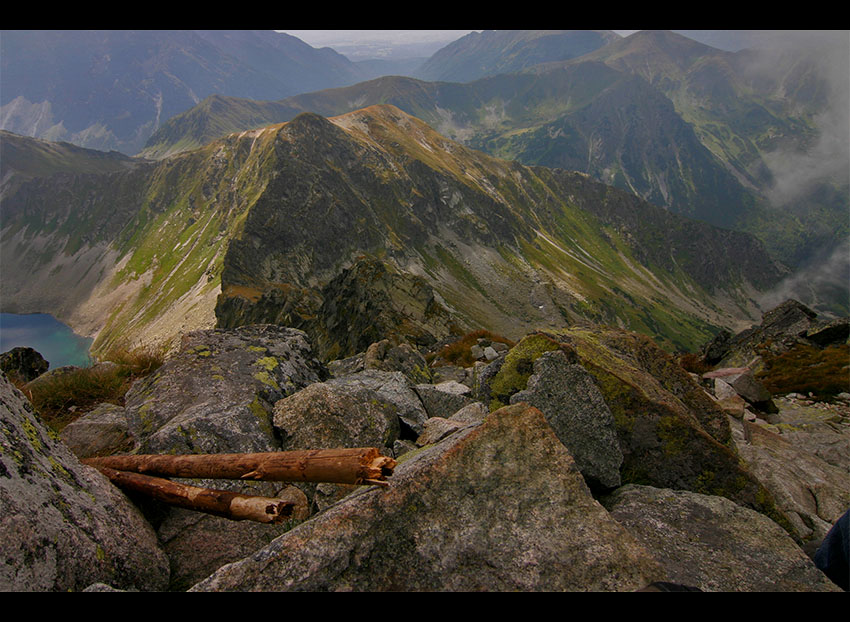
[{"x": 578, "y": 459}]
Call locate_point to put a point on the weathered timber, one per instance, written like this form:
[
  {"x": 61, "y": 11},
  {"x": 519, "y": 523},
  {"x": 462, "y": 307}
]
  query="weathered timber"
[
  {"x": 339, "y": 466},
  {"x": 230, "y": 505}
]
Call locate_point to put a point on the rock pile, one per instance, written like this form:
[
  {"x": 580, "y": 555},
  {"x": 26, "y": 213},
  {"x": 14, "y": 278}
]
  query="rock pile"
[{"x": 577, "y": 460}]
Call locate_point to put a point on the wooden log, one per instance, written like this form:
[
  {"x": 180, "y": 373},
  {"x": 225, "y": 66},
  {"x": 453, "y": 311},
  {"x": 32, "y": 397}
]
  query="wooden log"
[
  {"x": 363, "y": 465},
  {"x": 224, "y": 503}
]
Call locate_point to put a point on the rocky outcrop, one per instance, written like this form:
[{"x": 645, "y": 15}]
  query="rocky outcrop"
[
  {"x": 63, "y": 526},
  {"x": 713, "y": 544},
  {"x": 670, "y": 432},
  {"x": 426, "y": 533},
  {"x": 24, "y": 364},
  {"x": 782, "y": 328},
  {"x": 482, "y": 498}
]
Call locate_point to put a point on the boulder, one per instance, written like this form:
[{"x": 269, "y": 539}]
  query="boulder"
[
  {"x": 318, "y": 417},
  {"x": 812, "y": 493},
  {"x": 438, "y": 428},
  {"x": 102, "y": 431},
  {"x": 403, "y": 358},
  {"x": 543, "y": 530},
  {"x": 743, "y": 383},
  {"x": 23, "y": 364},
  {"x": 570, "y": 400},
  {"x": 671, "y": 432},
  {"x": 63, "y": 525},
  {"x": 341, "y": 412},
  {"x": 471, "y": 413},
  {"x": 444, "y": 399},
  {"x": 216, "y": 395},
  {"x": 711, "y": 543}
]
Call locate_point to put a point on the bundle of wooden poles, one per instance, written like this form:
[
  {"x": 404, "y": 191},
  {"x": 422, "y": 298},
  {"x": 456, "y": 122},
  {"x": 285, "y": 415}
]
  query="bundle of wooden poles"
[{"x": 146, "y": 474}]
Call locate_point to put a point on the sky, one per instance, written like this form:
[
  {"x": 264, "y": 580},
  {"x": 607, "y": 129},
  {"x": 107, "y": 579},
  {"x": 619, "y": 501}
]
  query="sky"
[{"x": 320, "y": 38}]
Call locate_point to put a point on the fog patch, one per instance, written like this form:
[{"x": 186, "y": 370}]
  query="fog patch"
[
  {"x": 823, "y": 284},
  {"x": 796, "y": 171}
]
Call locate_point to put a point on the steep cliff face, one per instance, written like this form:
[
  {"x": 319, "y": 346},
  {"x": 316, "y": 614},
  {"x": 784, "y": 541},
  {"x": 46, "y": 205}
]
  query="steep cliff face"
[{"x": 366, "y": 224}]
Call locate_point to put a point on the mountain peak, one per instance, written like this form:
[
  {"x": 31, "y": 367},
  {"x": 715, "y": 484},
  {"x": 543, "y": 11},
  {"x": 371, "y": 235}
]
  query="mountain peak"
[{"x": 663, "y": 51}]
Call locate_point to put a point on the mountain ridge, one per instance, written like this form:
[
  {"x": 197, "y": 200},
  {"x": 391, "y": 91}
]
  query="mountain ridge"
[{"x": 269, "y": 218}]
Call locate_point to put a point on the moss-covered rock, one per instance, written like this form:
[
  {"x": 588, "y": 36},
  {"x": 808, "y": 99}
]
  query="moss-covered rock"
[{"x": 671, "y": 433}]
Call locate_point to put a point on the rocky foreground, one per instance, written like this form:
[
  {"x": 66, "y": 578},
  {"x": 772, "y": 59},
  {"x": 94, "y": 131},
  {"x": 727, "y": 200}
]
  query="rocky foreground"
[{"x": 582, "y": 459}]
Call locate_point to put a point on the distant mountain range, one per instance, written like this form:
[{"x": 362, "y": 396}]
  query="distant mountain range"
[
  {"x": 110, "y": 89},
  {"x": 491, "y": 52}
]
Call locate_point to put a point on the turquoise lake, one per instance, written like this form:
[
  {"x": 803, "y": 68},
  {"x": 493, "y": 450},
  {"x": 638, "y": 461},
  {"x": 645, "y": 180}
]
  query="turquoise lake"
[{"x": 55, "y": 341}]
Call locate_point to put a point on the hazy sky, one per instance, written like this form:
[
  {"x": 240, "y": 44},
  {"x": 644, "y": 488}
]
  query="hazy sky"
[{"x": 319, "y": 38}]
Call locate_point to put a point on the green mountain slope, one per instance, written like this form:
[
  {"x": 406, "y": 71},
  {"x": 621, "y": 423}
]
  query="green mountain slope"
[
  {"x": 366, "y": 221},
  {"x": 700, "y": 131}
]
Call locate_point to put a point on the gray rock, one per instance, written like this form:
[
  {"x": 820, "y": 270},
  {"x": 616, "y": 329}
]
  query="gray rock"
[
  {"x": 403, "y": 358},
  {"x": 490, "y": 353},
  {"x": 744, "y": 383},
  {"x": 812, "y": 493},
  {"x": 63, "y": 525},
  {"x": 444, "y": 373},
  {"x": 711, "y": 543},
  {"x": 100, "y": 432},
  {"x": 830, "y": 333},
  {"x": 350, "y": 365},
  {"x": 438, "y": 428},
  {"x": 217, "y": 394},
  {"x": 573, "y": 405},
  {"x": 342, "y": 412},
  {"x": 445, "y": 399},
  {"x": 25, "y": 364},
  {"x": 471, "y": 413},
  {"x": 483, "y": 376},
  {"x": 498, "y": 506}
]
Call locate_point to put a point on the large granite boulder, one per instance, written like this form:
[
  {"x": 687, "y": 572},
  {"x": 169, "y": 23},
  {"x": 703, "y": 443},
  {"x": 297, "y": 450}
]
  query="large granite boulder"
[
  {"x": 573, "y": 405},
  {"x": 216, "y": 395},
  {"x": 713, "y": 544},
  {"x": 315, "y": 418},
  {"x": 811, "y": 492},
  {"x": 63, "y": 526},
  {"x": 498, "y": 505}
]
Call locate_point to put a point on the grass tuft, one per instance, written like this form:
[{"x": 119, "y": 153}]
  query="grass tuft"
[
  {"x": 61, "y": 398},
  {"x": 807, "y": 369},
  {"x": 458, "y": 353}
]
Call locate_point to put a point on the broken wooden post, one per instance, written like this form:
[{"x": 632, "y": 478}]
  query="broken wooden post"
[
  {"x": 338, "y": 466},
  {"x": 224, "y": 503}
]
